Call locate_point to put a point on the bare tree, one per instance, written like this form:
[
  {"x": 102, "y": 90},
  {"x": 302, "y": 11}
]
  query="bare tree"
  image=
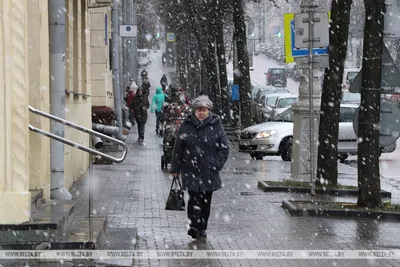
[
  {"x": 368, "y": 131},
  {"x": 331, "y": 93}
]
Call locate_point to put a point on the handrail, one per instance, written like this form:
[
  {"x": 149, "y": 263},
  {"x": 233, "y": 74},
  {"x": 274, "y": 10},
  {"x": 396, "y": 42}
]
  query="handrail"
[
  {"x": 86, "y": 149},
  {"x": 80, "y": 128}
]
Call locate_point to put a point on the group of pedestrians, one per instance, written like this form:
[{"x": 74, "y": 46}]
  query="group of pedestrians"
[{"x": 201, "y": 148}]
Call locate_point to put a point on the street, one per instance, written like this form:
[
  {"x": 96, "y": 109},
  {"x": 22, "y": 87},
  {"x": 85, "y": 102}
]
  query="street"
[
  {"x": 261, "y": 64},
  {"x": 243, "y": 217}
]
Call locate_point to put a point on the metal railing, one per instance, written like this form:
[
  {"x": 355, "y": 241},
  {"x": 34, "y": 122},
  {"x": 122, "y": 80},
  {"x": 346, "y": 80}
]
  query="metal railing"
[{"x": 81, "y": 147}]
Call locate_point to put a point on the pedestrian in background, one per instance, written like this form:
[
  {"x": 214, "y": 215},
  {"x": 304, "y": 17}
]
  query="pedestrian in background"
[
  {"x": 140, "y": 105},
  {"x": 130, "y": 95},
  {"x": 157, "y": 106},
  {"x": 164, "y": 82},
  {"x": 200, "y": 152}
]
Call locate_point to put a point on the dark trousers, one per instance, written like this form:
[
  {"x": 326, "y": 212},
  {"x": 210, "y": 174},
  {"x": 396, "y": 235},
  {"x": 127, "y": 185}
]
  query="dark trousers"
[
  {"x": 158, "y": 114},
  {"x": 140, "y": 128},
  {"x": 199, "y": 206}
]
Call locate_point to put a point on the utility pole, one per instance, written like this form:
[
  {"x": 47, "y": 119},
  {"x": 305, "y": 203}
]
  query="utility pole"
[
  {"x": 128, "y": 43},
  {"x": 306, "y": 110},
  {"x": 115, "y": 65}
]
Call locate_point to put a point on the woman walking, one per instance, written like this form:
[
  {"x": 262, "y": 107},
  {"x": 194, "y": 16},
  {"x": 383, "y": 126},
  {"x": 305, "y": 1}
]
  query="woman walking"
[
  {"x": 200, "y": 152},
  {"x": 140, "y": 105}
]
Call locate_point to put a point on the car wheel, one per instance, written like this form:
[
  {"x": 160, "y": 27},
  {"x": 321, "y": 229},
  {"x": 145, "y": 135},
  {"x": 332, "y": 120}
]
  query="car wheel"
[
  {"x": 342, "y": 158},
  {"x": 257, "y": 156},
  {"x": 286, "y": 149}
]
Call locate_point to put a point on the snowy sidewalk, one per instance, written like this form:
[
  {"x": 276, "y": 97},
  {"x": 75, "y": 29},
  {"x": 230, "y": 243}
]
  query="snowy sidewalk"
[{"x": 243, "y": 217}]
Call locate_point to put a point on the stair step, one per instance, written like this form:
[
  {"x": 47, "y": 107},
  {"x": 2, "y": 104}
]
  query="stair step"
[
  {"x": 119, "y": 239},
  {"x": 47, "y": 224},
  {"x": 77, "y": 236},
  {"x": 36, "y": 199}
]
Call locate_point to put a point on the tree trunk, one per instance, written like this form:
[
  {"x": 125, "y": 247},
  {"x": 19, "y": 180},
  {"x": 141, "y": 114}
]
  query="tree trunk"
[
  {"x": 331, "y": 93},
  {"x": 223, "y": 77},
  {"x": 369, "y": 116},
  {"x": 242, "y": 74}
]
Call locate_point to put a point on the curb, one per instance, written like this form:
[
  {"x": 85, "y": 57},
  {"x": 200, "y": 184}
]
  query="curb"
[
  {"x": 293, "y": 189},
  {"x": 346, "y": 213}
]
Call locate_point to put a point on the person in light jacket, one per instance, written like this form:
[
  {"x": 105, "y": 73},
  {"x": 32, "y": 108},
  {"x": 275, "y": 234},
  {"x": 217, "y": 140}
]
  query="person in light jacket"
[
  {"x": 200, "y": 152},
  {"x": 157, "y": 105}
]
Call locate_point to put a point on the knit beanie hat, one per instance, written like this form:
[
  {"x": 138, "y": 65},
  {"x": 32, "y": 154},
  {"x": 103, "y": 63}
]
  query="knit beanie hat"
[{"x": 202, "y": 101}]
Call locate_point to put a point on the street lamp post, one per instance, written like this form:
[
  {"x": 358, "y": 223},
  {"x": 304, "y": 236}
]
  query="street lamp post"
[{"x": 306, "y": 114}]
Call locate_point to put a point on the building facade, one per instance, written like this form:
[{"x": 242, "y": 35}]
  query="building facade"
[{"x": 26, "y": 77}]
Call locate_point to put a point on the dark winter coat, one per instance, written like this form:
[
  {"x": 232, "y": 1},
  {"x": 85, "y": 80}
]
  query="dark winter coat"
[
  {"x": 140, "y": 105},
  {"x": 200, "y": 152},
  {"x": 146, "y": 87},
  {"x": 164, "y": 80}
]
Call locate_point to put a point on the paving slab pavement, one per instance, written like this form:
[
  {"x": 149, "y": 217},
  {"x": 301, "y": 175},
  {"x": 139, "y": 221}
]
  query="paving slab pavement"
[{"x": 243, "y": 217}]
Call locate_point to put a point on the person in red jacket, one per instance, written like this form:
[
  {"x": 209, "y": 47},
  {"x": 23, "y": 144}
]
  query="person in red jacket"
[
  {"x": 130, "y": 95},
  {"x": 187, "y": 100}
]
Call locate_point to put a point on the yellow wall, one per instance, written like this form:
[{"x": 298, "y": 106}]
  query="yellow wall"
[
  {"x": 15, "y": 202},
  {"x": 101, "y": 72},
  {"x": 39, "y": 156},
  {"x": 78, "y": 83}
]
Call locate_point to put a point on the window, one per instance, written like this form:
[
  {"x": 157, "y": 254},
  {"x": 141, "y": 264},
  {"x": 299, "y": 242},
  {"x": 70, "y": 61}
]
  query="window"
[
  {"x": 286, "y": 116},
  {"x": 351, "y": 76},
  {"x": 277, "y": 71},
  {"x": 285, "y": 102},
  {"x": 262, "y": 101},
  {"x": 271, "y": 101},
  {"x": 346, "y": 114}
]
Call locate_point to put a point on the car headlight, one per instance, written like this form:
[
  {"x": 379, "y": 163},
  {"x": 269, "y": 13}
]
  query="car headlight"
[{"x": 266, "y": 134}]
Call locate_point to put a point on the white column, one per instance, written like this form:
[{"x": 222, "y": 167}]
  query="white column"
[
  {"x": 301, "y": 134},
  {"x": 15, "y": 198}
]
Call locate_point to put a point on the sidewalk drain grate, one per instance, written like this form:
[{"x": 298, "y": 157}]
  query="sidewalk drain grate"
[{"x": 250, "y": 193}]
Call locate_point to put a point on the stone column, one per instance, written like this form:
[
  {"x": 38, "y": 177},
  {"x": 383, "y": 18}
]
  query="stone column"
[
  {"x": 300, "y": 170},
  {"x": 15, "y": 199}
]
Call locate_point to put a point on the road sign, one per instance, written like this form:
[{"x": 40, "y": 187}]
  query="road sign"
[
  {"x": 320, "y": 62},
  {"x": 170, "y": 37},
  {"x": 290, "y": 50},
  {"x": 235, "y": 92},
  {"x": 389, "y": 123},
  {"x": 391, "y": 21},
  {"x": 302, "y": 30},
  {"x": 390, "y": 75},
  {"x": 127, "y": 30}
]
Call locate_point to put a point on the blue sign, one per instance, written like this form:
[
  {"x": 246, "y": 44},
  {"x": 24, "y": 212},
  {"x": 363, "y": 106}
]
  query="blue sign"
[
  {"x": 304, "y": 52},
  {"x": 235, "y": 92}
]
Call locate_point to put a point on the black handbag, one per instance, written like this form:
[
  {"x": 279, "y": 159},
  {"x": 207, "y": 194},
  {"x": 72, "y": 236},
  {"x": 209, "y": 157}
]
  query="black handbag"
[{"x": 175, "y": 199}]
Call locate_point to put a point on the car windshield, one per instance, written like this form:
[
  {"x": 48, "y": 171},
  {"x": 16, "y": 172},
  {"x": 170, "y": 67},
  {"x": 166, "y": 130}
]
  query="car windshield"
[
  {"x": 286, "y": 102},
  {"x": 286, "y": 116},
  {"x": 277, "y": 71},
  {"x": 271, "y": 101}
]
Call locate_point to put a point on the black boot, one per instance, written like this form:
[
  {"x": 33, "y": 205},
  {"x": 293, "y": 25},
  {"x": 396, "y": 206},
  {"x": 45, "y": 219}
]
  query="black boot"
[{"x": 194, "y": 233}]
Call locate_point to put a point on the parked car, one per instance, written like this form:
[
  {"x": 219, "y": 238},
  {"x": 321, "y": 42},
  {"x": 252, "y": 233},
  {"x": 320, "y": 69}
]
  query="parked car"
[
  {"x": 271, "y": 105},
  {"x": 276, "y": 76},
  {"x": 350, "y": 98},
  {"x": 348, "y": 77},
  {"x": 293, "y": 72},
  {"x": 143, "y": 58},
  {"x": 267, "y": 89},
  {"x": 275, "y": 138}
]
